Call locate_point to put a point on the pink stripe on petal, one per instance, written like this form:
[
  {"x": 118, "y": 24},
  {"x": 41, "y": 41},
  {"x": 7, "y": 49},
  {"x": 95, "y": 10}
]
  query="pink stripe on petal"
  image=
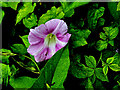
[{"x": 58, "y": 47}]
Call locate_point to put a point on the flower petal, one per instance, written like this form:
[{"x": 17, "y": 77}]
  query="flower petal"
[
  {"x": 33, "y": 39},
  {"x": 40, "y": 31},
  {"x": 52, "y": 24}
]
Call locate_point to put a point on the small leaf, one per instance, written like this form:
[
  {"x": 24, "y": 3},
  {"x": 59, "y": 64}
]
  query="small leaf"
[
  {"x": 22, "y": 82},
  {"x": 19, "y": 48},
  {"x": 89, "y": 84},
  {"x": 101, "y": 45},
  {"x": 25, "y": 40},
  {"x": 70, "y": 13},
  {"x": 118, "y": 7},
  {"x": 103, "y": 36},
  {"x": 90, "y": 61},
  {"x": 111, "y": 42},
  {"x": 25, "y": 10},
  {"x": 100, "y": 75},
  {"x": 2, "y": 13},
  {"x": 31, "y": 21},
  {"x": 114, "y": 67},
  {"x": 110, "y": 60},
  {"x": 105, "y": 70}
]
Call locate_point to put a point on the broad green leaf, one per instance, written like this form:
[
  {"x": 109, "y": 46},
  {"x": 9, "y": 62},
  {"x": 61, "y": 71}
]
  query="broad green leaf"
[
  {"x": 116, "y": 59},
  {"x": 89, "y": 84},
  {"x": 105, "y": 69},
  {"x": 113, "y": 10},
  {"x": 80, "y": 70},
  {"x": 69, "y": 13},
  {"x": 2, "y": 13},
  {"x": 103, "y": 36},
  {"x": 25, "y": 40},
  {"x": 53, "y": 13},
  {"x": 93, "y": 16},
  {"x": 12, "y": 4},
  {"x": 79, "y": 37},
  {"x": 31, "y": 21},
  {"x": 50, "y": 72},
  {"x": 25, "y": 10},
  {"x": 111, "y": 42},
  {"x": 93, "y": 78},
  {"x": 110, "y": 60},
  {"x": 101, "y": 45},
  {"x": 100, "y": 75},
  {"x": 22, "y": 82},
  {"x": 19, "y": 48},
  {"x": 118, "y": 7},
  {"x": 4, "y": 73},
  {"x": 90, "y": 61},
  {"x": 114, "y": 67}
]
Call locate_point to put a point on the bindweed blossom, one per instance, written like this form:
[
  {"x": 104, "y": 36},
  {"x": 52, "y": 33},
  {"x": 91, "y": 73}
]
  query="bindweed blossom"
[{"x": 46, "y": 39}]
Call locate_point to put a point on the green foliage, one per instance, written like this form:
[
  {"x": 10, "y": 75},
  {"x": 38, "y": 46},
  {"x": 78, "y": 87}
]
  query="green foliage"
[
  {"x": 118, "y": 7},
  {"x": 53, "y": 13},
  {"x": 105, "y": 69},
  {"x": 19, "y": 49},
  {"x": 55, "y": 71},
  {"x": 93, "y": 16},
  {"x": 90, "y": 61},
  {"x": 80, "y": 70},
  {"x": 25, "y": 40},
  {"x": 79, "y": 37},
  {"x": 2, "y": 13},
  {"x": 25, "y": 10},
  {"x": 110, "y": 60},
  {"x": 101, "y": 22},
  {"x": 101, "y": 45},
  {"x": 13, "y": 5},
  {"x": 89, "y": 84},
  {"x": 4, "y": 73},
  {"x": 22, "y": 82},
  {"x": 114, "y": 67},
  {"x": 31, "y": 21}
]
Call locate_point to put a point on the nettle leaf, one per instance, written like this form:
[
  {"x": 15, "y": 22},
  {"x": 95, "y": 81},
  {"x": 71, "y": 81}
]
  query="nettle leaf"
[
  {"x": 90, "y": 61},
  {"x": 2, "y": 13},
  {"x": 79, "y": 37},
  {"x": 93, "y": 16},
  {"x": 68, "y": 7},
  {"x": 118, "y": 7},
  {"x": 31, "y": 21},
  {"x": 89, "y": 84},
  {"x": 105, "y": 69},
  {"x": 110, "y": 60},
  {"x": 22, "y": 82},
  {"x": 114, "y": 67},
  {"x": 113, "y": 10},
  {"x": 80, "y": 70},
  {"x": 53, "y": 13},
  {"x": 19, "y": 48},
  {"x": 103, "y": 36},
  {"x": 4, "y": 73},
  {"x": 101, "y": 45},
  {"x": 100, "y": 75},
  {"x": 55, "y": 71},
  {"x": 12, "y": 4},
  {"x": 25, "y": 10},
  {"x": 111, "y": 32}
]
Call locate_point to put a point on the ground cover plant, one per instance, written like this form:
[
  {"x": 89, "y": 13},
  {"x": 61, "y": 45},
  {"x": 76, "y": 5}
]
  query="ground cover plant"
[{"x": 81, "y": 50}]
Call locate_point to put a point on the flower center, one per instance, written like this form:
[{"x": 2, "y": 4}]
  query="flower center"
[{"x": 50, "y": 39}]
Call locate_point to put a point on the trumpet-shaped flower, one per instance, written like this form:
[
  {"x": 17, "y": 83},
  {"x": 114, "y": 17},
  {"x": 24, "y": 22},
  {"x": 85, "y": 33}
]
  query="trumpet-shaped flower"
[{"x": 46, "y": 39}]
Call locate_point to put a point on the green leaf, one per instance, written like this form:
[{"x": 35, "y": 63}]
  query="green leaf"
[
  {"x": 110, "y": 60},
  {"x": 116, "y": 59},
  {"x": 113, "y": 10},
  {"x": 80, "y": 70},
  {"x": 89, "y": 84},
  {"x": 103, "y": 36},
  {"x": 111, "y": 42},
  {"x": 22, "y": 82},
  {"x": 105, "y": 69},
  {"x": 90, "y": 61},
  {"x": 1, "y": 15},
  {"x": 79, "y": 37},
  {"x": 101, "y": 22},
  {"x": 55, "y": 70},
  {"x": 101, "y": 45},
  {"x": 31, "y": 21},
  {"x": 4, "y": 73},
  {"x": 114, "y": 67},
  {"x": 100, "y": 75},
  {"x": 69, "y": 13},
  {"x": 118, "y": 7},
  {"x": 93, "y": 16},
  {"x": 53, "y": 13},
  {"x": 19, "y": 48},
  {"x": 25, "y": 40},
  {"x": 25, "y": 10}
]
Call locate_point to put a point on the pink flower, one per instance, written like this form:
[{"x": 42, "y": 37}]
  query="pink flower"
[{"x": 46, "y": 39}]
